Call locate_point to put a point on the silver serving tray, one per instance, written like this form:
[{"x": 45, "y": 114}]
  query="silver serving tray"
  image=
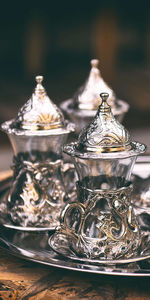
[{"x": 34, "y": 246}]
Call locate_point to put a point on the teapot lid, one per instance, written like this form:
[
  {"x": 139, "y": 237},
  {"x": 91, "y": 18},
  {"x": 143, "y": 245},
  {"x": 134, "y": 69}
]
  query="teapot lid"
[
  {"x": 87, "y": 97},
  {"x": 39, "y": 113},
  {"x": 104, "y": 137}
]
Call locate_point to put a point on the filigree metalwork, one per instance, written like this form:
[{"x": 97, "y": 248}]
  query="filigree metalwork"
[
  {"x": 103, "y": 156},
  {"x": 38, "y": 192},
  {"x": 103, "y": 227}
]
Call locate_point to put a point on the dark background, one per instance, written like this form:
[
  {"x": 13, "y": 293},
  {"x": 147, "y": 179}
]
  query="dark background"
[{"x": 57, "y": 39}]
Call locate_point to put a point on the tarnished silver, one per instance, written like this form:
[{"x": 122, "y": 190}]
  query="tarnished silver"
[
  {"x": 101, "y": 223},
  {"x": 39, "y": 189},
  {"x": 82, "y": 107}
]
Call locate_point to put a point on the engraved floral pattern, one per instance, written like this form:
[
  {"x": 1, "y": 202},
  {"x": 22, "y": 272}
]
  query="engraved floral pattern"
[
  {"x": 107, "y": 229},
  {"x": 38, "y": 193},
  {"x": 104, "y": 131}
]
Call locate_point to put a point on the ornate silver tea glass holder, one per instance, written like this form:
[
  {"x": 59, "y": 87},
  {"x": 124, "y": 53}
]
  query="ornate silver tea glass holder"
[
  {"x": 101, "y": 224},
  {"x": 39, "y": 191},
  {"x": 83, "y": 105}
]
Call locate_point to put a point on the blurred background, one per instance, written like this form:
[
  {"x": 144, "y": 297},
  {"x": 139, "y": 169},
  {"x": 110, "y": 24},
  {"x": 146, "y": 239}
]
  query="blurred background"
[{"x": 58, "y": 39}]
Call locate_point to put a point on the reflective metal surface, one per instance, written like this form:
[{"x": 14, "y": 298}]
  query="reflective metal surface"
[{"x": 34, "y": 246}]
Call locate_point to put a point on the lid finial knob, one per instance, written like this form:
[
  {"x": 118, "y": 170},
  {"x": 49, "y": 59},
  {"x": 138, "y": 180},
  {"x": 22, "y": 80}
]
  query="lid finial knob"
[
  {"x": 94, "y": 63},
  {"x": 39, "y": 89},
  {"x": 39, "y": 79},
  {"x": 104, "y": 97},
  {"x": 104, "y": 107}
]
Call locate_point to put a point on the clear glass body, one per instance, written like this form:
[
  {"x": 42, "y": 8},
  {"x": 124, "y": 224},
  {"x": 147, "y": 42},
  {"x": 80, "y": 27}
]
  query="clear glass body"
[
  {"x": 46, "y": 145},
  {"x": 102, "y": 174}
]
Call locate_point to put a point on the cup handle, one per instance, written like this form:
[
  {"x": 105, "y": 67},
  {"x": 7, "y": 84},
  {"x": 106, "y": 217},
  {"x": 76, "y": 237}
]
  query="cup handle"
[{"x": 72, "y": 217}]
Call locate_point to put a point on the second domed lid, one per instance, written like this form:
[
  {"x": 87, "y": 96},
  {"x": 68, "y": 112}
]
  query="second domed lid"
[
  {"x": 87, "y": 97},
  {"x": 39, "y": 113}
]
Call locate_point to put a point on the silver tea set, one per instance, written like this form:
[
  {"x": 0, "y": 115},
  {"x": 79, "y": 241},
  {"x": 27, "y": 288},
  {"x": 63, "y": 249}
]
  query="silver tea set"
[{"x": 86, "y": 199}]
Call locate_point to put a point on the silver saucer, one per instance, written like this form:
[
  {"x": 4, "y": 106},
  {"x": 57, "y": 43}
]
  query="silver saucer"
[{"x": 67, "y": 251}]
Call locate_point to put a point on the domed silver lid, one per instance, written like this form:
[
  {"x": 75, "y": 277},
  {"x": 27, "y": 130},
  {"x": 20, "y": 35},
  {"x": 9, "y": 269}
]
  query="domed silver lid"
[
  {"x": 87, "y": 97},
  {"x": 104, "y": 133},
  {"x": 39, "y": 116},
  {"x": 39, "y": 113},
  {"x": 104, "y": 137}
]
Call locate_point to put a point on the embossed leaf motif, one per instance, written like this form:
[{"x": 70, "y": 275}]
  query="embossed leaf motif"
[
  {"x": 108, "y": 139},
  {"x": 29, "y": 191},
  {"x": 42, "y": 118},
  {"x": 47, "y": 118}
]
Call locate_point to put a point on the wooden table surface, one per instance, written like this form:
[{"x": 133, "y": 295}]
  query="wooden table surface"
[{"x": 20, "y": 279}]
